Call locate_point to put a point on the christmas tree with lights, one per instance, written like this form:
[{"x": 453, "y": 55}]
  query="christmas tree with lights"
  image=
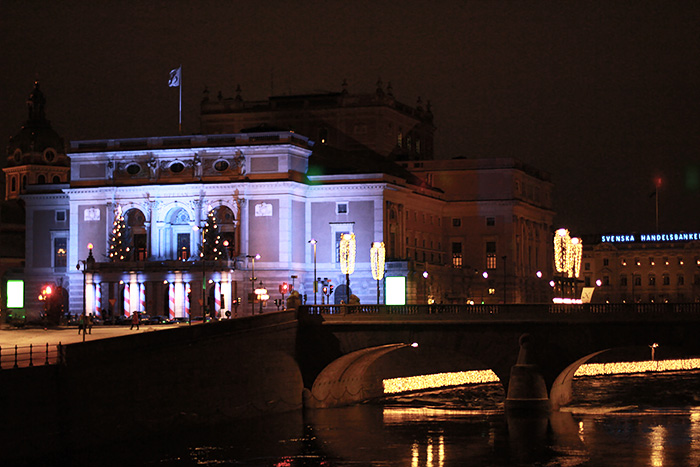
[
  {"x": 118, "y": 248},
  {"x": 211, "y": 246}
]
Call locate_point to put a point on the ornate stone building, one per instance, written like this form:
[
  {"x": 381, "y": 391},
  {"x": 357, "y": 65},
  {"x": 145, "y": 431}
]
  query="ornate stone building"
[{"x": 269, "y": 192}]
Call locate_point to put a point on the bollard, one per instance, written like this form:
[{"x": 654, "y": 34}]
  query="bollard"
[
  {"x": 31, "y": 363},
  {"x": 47, "y": 354},
  {"x": 16, "y": 366}
]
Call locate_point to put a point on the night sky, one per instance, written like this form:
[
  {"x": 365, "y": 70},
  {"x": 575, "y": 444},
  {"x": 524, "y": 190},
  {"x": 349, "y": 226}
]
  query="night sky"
[{"x": 605, "y": 96}]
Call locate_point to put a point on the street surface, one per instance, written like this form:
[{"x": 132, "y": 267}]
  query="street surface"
[{"x": 11, "y": 336}]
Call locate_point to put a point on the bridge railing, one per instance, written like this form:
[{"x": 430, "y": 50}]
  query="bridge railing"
[
  {"x": 519, "y": 310},
  {"x": 22, "y": 356}
]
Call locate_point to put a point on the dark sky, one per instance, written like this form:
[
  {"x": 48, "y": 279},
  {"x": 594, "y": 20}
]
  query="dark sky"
[{"x": 603, "y": 95}]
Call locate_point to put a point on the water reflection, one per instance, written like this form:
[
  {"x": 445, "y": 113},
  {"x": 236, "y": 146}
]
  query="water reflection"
[{"x": 615, "y": 421}]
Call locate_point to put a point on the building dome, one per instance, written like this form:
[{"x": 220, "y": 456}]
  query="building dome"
[{"x": 36, "y": 143}]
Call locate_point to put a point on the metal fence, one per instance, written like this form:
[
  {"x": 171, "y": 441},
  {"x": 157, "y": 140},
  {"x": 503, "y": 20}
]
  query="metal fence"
[
  {"x": 23, "y": 356},
  {"x": 533, "y": 310}
]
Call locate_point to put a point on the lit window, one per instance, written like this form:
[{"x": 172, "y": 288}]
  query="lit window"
[
  {"x": 491, "y": 255},
  {"x": 60, "y": 244},
  {"x": 456, "y": 255}
]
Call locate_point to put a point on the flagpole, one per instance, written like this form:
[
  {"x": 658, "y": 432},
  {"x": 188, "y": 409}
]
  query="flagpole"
[{"x": 179, "y": 121}]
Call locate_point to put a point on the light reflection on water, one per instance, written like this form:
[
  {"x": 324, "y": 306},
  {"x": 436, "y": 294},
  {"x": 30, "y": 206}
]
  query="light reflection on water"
[{"x": 628, "y": 420}]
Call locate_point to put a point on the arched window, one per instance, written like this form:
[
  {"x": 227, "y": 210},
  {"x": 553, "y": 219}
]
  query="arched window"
[
  {"x": 56, "y": 179},
  {"x": 137, "y": 237},
  {"x": 41, "y": 179},
  {"x": 181, "y": 235}
]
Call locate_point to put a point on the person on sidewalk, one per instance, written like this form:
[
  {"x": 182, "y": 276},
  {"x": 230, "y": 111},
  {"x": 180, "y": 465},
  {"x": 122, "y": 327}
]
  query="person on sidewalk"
[
  {"x": 135, "y": 320},
  {"x": 81, "y": 324},
  {"x": 90, "y": 322}
]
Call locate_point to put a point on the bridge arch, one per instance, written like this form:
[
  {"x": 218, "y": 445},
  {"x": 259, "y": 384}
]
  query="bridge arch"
[{"x": 358, "y": 376}]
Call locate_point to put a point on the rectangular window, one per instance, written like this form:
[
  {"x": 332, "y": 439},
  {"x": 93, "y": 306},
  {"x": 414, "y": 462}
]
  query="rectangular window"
[
  {"x": 60, "y": 246},
  {"x": 667, "y": 279},
  {"x": 637, "y": 280},
  {"x": 490, "y": 221},
  {"x": 341, "y": 208},
  {"x": 60, "y": 216},
  {"x": 681, "y": 279},
  {"x": 606, "y": 261},
  {"x": 456, "y": 222},
  {"x": 623, "y": 281},
  {"x": 491, "y": 255},
  {"x": 183, "y": 246},
  {"x": 140, "y": 247},
  {"x": 456, "y": 255},
  {"x": 606, "y": 280},
  {"x": 587, "y": 266}
]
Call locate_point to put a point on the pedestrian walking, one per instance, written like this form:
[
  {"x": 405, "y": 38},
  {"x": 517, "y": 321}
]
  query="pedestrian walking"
[
  {"x": 90, "y": 322},
  {"x": 135, "y": 320},
  {"x": 81, "y": 324}
]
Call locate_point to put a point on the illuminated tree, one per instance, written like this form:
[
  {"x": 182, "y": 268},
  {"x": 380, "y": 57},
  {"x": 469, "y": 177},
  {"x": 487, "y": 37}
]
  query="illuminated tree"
[
  {"x": 118, "y": 246},
  {"x": 211, "y": 239}
]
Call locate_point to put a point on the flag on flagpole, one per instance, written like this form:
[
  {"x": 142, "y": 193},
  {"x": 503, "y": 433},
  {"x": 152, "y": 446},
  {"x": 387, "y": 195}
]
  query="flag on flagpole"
[{"x": 174, "y": 81}]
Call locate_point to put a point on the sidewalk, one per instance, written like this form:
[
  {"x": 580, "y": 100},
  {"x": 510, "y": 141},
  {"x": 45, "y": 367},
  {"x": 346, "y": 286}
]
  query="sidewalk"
[{"x": 11, "y": 336}]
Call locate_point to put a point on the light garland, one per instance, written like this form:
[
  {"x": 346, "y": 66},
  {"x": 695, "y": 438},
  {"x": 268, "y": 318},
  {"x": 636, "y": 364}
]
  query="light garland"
[
  {"x": 561, "y": 241},
  {"x": 347, "y": 253},
  {"x": 460, "y": 378},
  {"x": 567, "y": 253},
  {"x": 377, "y": 254}
]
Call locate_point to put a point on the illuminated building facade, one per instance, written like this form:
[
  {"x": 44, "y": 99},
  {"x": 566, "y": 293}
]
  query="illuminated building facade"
[
  {"x": 268, "y": 192},
  {"x": 646, "y": 268},
  {"x": 497, "y": 219}
]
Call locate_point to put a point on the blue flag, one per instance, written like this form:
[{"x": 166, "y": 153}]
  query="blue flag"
[{"x": 174, "y": 80}]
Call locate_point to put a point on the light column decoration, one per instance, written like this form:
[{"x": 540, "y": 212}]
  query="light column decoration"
[
  {"x": 127, "y": 300},
  {"x": 188, "y": 291},
  {"x": 347, "y": 259},
  {"x": 567, "y": 255},
  {"x": 313, "y": 242},
  {"x": 98, "y": 300},
  {"x": 171, "y": 300},
  {"x": 377, "y": 256},
  {"x": 87, "y": 263}
]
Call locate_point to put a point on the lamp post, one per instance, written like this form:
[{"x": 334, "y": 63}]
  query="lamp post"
[
  {"x": 87, "y": 263},
  {"x": 314, "y": 242},
  {"x": 261, "y": 293},
  {"x": 377, "y": 255},
  {"x": 252, "y": 281},
  {"x": 347, "y": 259}
]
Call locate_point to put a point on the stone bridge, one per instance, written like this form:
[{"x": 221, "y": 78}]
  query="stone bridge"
[{"x": 345, "y": 352}]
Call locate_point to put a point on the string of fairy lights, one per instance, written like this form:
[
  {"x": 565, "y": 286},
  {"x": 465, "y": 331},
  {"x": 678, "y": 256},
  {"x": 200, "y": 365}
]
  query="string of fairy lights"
[{"x": 461, "y": 378}]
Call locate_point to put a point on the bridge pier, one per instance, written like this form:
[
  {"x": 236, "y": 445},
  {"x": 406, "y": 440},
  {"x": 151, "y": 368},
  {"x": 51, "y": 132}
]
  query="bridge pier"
[{"x": 527, "y": 390}]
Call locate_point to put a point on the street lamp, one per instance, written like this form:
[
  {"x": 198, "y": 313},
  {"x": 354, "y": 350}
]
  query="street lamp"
[
  {"x": 314, "y": 242},
  {"x": 347, "y": 259},
  {"x": 252, "y": 280},
  {"x": 87, "y": 263},
  {"x": 377, "y": 255},
  {"x": 261, "y": 293}
]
